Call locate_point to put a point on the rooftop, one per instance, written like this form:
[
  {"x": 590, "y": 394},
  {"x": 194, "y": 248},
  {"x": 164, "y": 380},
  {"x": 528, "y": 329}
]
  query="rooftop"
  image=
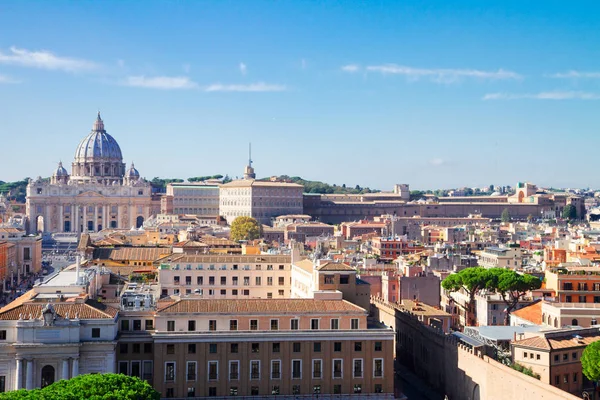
[
  {"x": 531, "y": 313},
  {"x": 561, "y": 339},
  {"x": 82, "y": 310}
]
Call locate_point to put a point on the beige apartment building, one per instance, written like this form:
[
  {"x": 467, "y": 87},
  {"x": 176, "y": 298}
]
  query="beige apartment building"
[
  {"x": 500, "y": 257},
  {"x": 193, "y": 198},
  {"x": 213, "y": 276},
  {"x": 555, "y": 355},
  {"x": 293, "y": 347}
]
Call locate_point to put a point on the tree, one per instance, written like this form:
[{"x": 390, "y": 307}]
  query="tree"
[
  {"x": 91, "y": 387},
  {"x": 569, "y": 212},
  {"x": 505, "y": 216},
  {"x": 512, "y": 286},
  {"x": 590, "y": 363},
  {"x": 471, "y": 280},
  {"x": 245, "y": 228}
]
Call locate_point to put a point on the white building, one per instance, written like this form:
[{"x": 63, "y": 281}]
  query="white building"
[{"x": 194, "y": 198}]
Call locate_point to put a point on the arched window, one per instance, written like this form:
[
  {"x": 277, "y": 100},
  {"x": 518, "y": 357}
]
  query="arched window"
[
  {"x": 47, "y": 376},
  {"x": 574, "y": 322}
]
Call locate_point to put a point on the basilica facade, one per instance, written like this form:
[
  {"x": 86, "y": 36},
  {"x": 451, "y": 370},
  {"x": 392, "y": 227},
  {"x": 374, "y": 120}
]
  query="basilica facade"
[{"x": 99, "y": 193}]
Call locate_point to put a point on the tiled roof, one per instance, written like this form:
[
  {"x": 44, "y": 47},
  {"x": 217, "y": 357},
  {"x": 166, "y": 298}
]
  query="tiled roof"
[
  {"x": 88, "y": 310},
  {"x": 131, "y": 253},
  {"x": 306, "y": 265},
  {"x": 531, "y": 313},
  {"x": 335, "y": 266},
  {"x": 566, "y": 341},
  {"x": 268, "y": 306}
]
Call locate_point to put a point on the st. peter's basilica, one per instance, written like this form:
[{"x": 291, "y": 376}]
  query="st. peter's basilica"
[{"x": 100, "y": 192}]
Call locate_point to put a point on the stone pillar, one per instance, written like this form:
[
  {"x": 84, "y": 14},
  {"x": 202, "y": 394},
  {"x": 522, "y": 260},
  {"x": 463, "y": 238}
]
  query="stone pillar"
[
  {"x": 119, "y": 216},
  {"x": 75, "y": 217},
  {"x": 84, "y": 215},
  {"x": 61, "y": 222},
  {"x": 29, "y": 372},
  {"x": 65, "y": 369},
  {"x": 105, "y": 222},
  {"x": 75, "y": 368},
  {"x": 19, "y": 374},
  {"x": 96, "y": 218}
]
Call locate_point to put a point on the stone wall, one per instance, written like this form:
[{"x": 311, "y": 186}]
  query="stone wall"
[{"x": 453, "y": 369}]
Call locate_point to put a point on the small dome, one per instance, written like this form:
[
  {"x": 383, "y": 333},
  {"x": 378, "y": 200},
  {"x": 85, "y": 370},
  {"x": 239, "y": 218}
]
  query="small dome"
[
  {"x": 98, "y": 145},
  {"x": 60, "y": 171},
  {"x": 132, "y": 172}
]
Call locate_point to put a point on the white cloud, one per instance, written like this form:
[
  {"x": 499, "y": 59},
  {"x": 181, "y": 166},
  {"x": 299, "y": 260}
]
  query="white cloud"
[
  {"x": 253, "y": 87},
  {"x": 7, "y": 79},
  {"x": 243, "y": 68},
  {"x": 160, "y": 82},
  {"x": 576, "y": 74},
  {"x": 350, "y": 68},
  {"x": 436, "y": 162},
  {"x": 556, "y": 95},
  {"x": 442, "y": 75},
  {"x": 45, "y": 60}
]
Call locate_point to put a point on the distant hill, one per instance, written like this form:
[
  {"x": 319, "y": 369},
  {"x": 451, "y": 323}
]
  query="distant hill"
[{"x": 323, "y": 188}]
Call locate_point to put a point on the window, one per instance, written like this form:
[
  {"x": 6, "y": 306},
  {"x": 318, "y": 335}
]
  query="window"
[
  {"x": 254, "y": 369},
  {"x": 149, "y": 325},
  {"x": 136, "y": 347},
  {"x": 269, "y": 295},
  {"x": 124, "y": 324},
  {"x": 296, "y": 369},
  {"x": 191, "y": 370},
  {"x": 254, "y": 391},
  {"x": 565, "y": 357},
  {"x": 234, "y": 347},
  {"x": 335, "y": 323},
  {"x": 274, "y": 324},
  {"x": 378, "y": 346},
  {"x": 354, "y": 323},
  {"x": 192, "y": 348},
  {"x": 357, "y": 346},
  {"x": 557, "y": 380},
  {"x": 233, "y": 325},
  {"x": 123, "y": 348},
  {"x": 147, "y": 347},
  {"x": 358, "y": 388},
  {"x": 537, "y": 356},
  {"x": 258, "y": 281},
  {"x": 281, "y": 292},
  {"x": 358, "y": 368},
  {"x": 574, "y": 377},
  {"x": 95, "y": 333},
  {"x": 137, "y": 324},
  {"x": 170, "y": 393},
  {"x": 275, "y": 390},
  {"x": 378, "y": 368},
  {"x": 212, "y": 325},
  {"x": 344, "y": 279},
  {"x": 295, "y": 389},
  {"x": 276, "y": 347},
  {"x": 223, "y": 292},
  {"x": 574, "y": 355},
  {"x": 191, "y": 325},
  {"x": 294, "y": 324},
  {"x": 275, "y": 369},
  {"x": 246, "y": 281},
  {"x": 234, "y": 281},
  {"x": 170, "y": 371},
  {"x": 337, "y": 346},
  {"x": 337, "y": 368},
  {"x": 253, "y": 324},
  {"x": 246, "y": 292},
  {"x": 234, "y": 370},
  {"x": 170, "y": 349},
  {"x": 556, "y": 357},
  {"x": 212, "y": 391},
  {"x": 566, "y": 378},
  {"x": 317, "y": 347},
  {"x": 378, "y": 388},
  {"x": 524, "y": 354},
  {"x": 170, "y": 326},
  {"x": 281, "y": 281},
  {"x": 124, "y": 367},
  {"x": 200, "y": 280},
  {"x": 191, "y": 392},
  {"x": 337, "y": 389},
  {"x": 269, "y": 281},
  {"x": 213, "y": 370},
  {"x": 212, "y": 348},
  {"x": 317, "y": 369},
  {"x": 223, "y": 280},
  {"x": 255, "y": 347},
  {"x": 314, "y": 323},
  {"x": 176, "y": 280},
  {"x": 296, "y": 347},
  {"x": 329, "y": 280}
]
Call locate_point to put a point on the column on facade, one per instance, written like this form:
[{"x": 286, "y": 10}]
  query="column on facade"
[
  {"x": 74, "y": 217},
  {"x": 29, "y": 374},
  {"x": 61, "y": 222},
  {"x": 47, "y": 218},
  {"x": 65, "y": 369},
  {"x": 75, "y": 367},
  {"x": 118, "y": 216},
  {"x": 105, "y": 219},
  {"x": 132, "y": 211},
  {"x": 19, "y": 374},
  {"x": 95, "y": 218},
  {"x": 84, "y": 215}
]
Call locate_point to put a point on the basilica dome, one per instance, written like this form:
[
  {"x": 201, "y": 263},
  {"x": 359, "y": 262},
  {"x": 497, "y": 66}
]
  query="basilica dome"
[{"x": 98, "y": 145}]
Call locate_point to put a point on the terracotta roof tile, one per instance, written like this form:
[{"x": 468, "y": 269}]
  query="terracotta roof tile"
[
  {"x": 531, "y": 313},
  {"x": 131, "y": 253},
  {"x": 253, "y": 306},
  {"x": 88, "y": 310},
  {"x": 335, "y": 266}
]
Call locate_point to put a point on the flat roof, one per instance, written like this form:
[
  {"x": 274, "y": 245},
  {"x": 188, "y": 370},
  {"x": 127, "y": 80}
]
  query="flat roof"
[{"x": 504, "y": 333}]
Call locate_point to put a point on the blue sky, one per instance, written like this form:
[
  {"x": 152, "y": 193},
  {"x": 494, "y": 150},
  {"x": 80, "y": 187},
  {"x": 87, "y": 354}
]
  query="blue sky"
[{"x": 435, "y": 94}]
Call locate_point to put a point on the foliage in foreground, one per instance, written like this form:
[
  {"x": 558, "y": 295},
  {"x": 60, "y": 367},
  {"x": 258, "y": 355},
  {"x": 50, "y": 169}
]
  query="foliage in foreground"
[
  {"x": 590, "y": 361},
  {"x": 245, "y": 228},
  {"x": 525, "y": 370},
  {"x": 90, "y": 387}
]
